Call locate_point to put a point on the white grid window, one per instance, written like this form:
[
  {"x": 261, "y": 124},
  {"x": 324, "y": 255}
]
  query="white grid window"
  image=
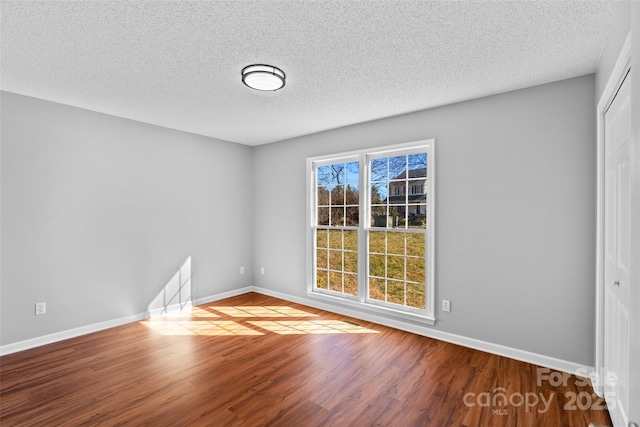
[
  {"x": 336, "y": 229},
  {"x": 371, "y": 227}
]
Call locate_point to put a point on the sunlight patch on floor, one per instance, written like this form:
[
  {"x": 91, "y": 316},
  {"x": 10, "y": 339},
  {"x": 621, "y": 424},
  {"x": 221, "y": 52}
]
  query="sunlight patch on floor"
[
  {"x": 262, "y": 311},
  {"x": 200, "y": 313},
  {"x": 199, "y": 327},
  {"x": 297, "y": 327},
  {"x": 249, "y": 320}
]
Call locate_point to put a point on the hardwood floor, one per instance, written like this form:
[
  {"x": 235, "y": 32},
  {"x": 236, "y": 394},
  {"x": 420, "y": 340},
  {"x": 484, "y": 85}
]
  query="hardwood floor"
[{"x": 254, "y": 360}]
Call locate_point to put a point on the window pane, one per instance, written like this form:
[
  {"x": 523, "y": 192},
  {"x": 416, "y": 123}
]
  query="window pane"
[
  {"x": 351, "y": 262},
  {"x": 337, "y": 195},
  {"x": 415, "y": 244},
  {"x": 352, "y": 218},
  {"x": 395, "y": 267},
  {"x": 337, "y": 175},
  {"x": 418, "y": 162},
  {"x": 323, "y": 196},
  {"x": 321, "y": 238},
  {"x": 396, "y": 216},
  {"x": 322, "y": 258},
  {"x": 335, "y": 239},
  {"x": 417, "y": 192},
  {"x": 335, "y": 281},
  {"x": 379, "y": 170},
  {"x": 395, "y": 292},
  {"x": 377, "y": 289},
  {"x": 353, "y": 173},
  {"x": 379, "y": 193},
  {"x": 323, "y": 175},
  {"x": 351, "y": 284},
  {"x": 418, "y": 220},
  {"x": 352, "y": 195},
  {"x": 397, "y": 167},
  {"x": 321, "y": 279},
  {"x": 335, "y": 260},
  {"x": 397, "y": 191},
  {"x": 415, "y": 270},
  {"x": 416, "y": 295},
  {"x": 337, "y": 216},
  {"x": 351, "y": 240},
  {"x": 376, "y": 241},
  {"x": 338, "y": 205},
  {"x": 395, "y": 243},
  {"x": 376, "y": 265},
  {"x": 379, "y": 216},
  {"x": 323, "y": 216},
  {"x": 398, "y": 202}
]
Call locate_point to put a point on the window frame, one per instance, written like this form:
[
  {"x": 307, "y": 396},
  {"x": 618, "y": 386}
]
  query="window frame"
[{"x": 361, "y": 301}]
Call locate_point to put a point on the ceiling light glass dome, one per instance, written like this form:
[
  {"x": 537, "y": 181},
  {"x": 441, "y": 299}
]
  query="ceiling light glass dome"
[{"x": 263, "y": 77}]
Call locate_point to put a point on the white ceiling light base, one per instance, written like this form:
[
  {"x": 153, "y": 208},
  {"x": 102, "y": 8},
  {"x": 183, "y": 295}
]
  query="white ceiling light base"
[{"x": 264, "y": 78}]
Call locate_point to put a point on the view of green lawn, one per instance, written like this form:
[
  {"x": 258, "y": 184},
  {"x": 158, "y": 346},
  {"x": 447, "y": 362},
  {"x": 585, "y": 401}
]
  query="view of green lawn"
[{"x": 396, "y": 264}]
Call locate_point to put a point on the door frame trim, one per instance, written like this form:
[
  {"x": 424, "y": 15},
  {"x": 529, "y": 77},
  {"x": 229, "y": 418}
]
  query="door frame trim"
[{"x": 617, "y": 76}]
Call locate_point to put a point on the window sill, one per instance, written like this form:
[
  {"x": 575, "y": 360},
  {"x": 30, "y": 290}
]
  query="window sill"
[{"x": 370, "y": 309}]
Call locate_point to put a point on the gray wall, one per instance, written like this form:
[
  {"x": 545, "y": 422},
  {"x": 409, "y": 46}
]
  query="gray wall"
[
  {"x": 98, "y": 212},
  {"x": 516, "y": 200}
]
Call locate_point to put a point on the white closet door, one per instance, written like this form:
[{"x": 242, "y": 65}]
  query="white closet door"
[{"x": 617, "y": 255}]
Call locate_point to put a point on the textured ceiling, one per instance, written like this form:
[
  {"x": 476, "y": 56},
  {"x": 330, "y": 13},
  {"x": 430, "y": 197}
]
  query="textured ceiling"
[{"x": 177, "y": 64}]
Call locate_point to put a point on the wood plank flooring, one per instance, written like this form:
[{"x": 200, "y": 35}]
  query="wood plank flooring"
[{"x": 254, "y": 360}]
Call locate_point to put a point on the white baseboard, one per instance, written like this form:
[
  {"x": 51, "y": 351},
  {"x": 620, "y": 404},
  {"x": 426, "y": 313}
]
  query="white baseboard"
[
  {"x": 223, "y": 295},
  {"x": 171, "y": 309},
  {"x": 95, "y": 327},
  {"x": 70, "y": 333},
  {"x": 500, "y": 350}
]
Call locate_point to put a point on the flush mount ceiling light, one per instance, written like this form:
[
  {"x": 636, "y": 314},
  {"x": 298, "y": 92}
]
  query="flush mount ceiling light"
[{"x": 263, "y": 77}]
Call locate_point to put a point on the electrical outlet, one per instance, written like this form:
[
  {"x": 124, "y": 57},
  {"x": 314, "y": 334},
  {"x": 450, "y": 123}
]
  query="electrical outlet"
[
  {"x": 446, "y": 305},
  {"x": 41, "y": 308},
  {"x": 261, "y": 270},
  {"x": 241, "y": 270}
]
